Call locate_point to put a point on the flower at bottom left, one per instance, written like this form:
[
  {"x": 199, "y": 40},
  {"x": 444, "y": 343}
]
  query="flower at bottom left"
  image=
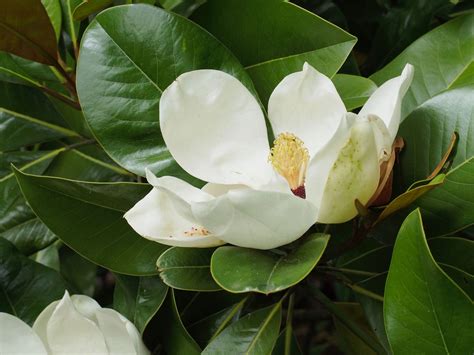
[{"x": 73, "y": 325}]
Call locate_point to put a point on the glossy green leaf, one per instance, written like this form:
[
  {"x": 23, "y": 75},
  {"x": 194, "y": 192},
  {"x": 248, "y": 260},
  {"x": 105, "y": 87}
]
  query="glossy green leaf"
[
  {"x": 27, "y": 287},
  {"x": 139, "y": 298},
  {"x": 350, "y": 342},
  {"x": 23, "y": 71},
  {"x": 424, "y": 310},
  {"x": 275, "y": 38},
  {"x": 465, "y": 78},
  {"x": 354, "y": 90},
  {"x": 438, "y": 118},
  {"x": 17, "y": 158},
  {"x": 48, "y": 256},
  {"x": 79, "y": 272},
  {"x": 89, "y": 7},
  {"x": 70, "y": 25},
  {"x": 454, "y": 255},
  {"x": 439, "y": 58},
  {"x": 173, "y": 335},
  {"x": 450, "y": 207},
  {"x": 138, "y": 50},
  {"x": 26, "y": 117},
  {"x": 187, "y": 269},
  {"x": 254, "y": 333},
  {"x": 18, "y": 223},
  {"x": 206, "y": 329},
  {"x": 73, "y": 164},
  {"x": 194, "y": 307},
  {"x": 235, "y": 269},
  {"x": 53, "y": 9},
  {"x": 88, "y": 217},
  {"x": 25, "y": 30},
  {"x": 281, "y": 346},
  {"x": 408, "y": 197}
]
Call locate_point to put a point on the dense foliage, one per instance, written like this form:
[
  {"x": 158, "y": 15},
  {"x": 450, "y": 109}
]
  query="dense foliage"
[{"x": 80, "y": 89}]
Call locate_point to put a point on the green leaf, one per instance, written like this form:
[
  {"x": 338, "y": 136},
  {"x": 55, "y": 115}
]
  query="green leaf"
[
  {"x": 70, "y": 25},
  {"x": 139, "y": 298},
  {"x": 206, "y": 329},
  {"x": 140, "y": 64},
  {"x": 439, "y": 58},
  {"x": 411, "y": 195},
  {"x": 88, "y": 217},
  {"x": 79, "y": 272},
  {"x": 437, "y": 119},
  {"x": 23, "y": 71},
  {"x": 275, "y": 38},
  {"x": 354, "y": 90},
  {"x": 234, "y": 268},
  {"x": 27, "y": 287},
  {"x": 27, "y": 118},
  {"x": 424, "y": 310},
  {"x": 48, "y": 256},
  {"x": 280, "y": 346},
  {"x": 17, "y": 158},
  {"x": 351, "y": 343},
  {"x": 73, "y": 164},
  {"x": 89, "y": 7},
  {"x": 18, "y": 223},
  {"x": 394, "y": 33},
  {"x": 173, "y": 335},
  {"x": 25, "y": 30},
  {"x": 187, "y": 269},
  {"x": 255, "y": 333},
  {"x": 465, "y": 78},
  {"x": 53, "y": 9},
  {"x": 454, "y": 255},
  {"x": 450, "y": 207}
]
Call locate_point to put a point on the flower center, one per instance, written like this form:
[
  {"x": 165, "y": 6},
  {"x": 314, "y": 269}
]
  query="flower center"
[
  {"x": 289, "y": 158},
  {"x": 196, "y": 232}
]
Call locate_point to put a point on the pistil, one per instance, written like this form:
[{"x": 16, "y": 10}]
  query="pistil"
[{"x": 289, "y": 158}]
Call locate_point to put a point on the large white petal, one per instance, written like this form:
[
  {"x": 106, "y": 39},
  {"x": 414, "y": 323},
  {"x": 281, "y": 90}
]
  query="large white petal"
[
  {"x": 321, "y": 164},
  {"x": 256, "y": 219},
  {"x": 154, "y": 217},
  {"x": 114, "y": 328},
  {"x": 69, "y": 332},
  {"x": 215, "y": 129},
  {"x": 16, "y": 337},
  {"x": 40, "y": 325},
  {"x": 386, "y": 101},
  {"x": 354, "y": 174},
  {"x": 306, "y": 104}
]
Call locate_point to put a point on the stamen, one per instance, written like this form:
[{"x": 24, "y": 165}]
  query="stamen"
[
  {"x": 201, "y": 232},
  {"x": 289, "y": 158}
]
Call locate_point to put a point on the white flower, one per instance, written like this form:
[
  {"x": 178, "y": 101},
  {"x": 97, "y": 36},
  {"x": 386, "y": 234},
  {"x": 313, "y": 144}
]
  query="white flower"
[
  {"x": 323, "y": 159},
  {"x": 73, "y": 325}
]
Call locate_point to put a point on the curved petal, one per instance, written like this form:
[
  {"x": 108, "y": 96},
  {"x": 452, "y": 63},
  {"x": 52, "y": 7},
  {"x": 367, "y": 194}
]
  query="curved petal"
[
  {"x": 69, "y": 331},
  {"x": 306, "y": 104},
  {"x": 354, "y": 174},
  {"x": 215, "y": 129},
  {"x": 41, "y": 323},
  {"x": 155, "y": 218},
  {"x": 256, "y": 219},
  {"x": 114, "y": 328},
  {"x": 320, "y": 165},
  {"x": 386, "y": 101},
  {"x": 86, "y": 306},
  {"x": 16, "y": 337}
]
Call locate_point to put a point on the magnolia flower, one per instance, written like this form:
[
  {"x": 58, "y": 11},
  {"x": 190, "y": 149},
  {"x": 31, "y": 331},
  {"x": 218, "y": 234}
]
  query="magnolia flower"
[
  {"x": 322, "y": 160},
  {"x": 73, "y": 325}
]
